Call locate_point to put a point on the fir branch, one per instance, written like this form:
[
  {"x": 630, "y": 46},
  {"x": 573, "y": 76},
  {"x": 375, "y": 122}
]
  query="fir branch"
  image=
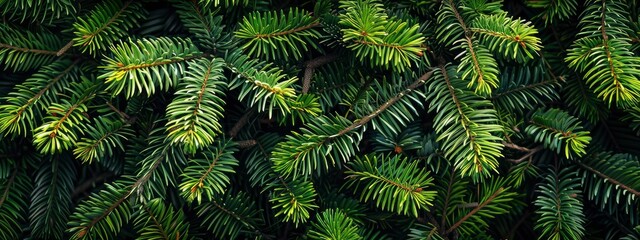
[
  {"x": 459, "y": 17},
  {"x": 105, "y": 213},
  {"x": 157, "y": 63},
  {"x": 155, "y": 222},
  {"x": 107, "y": 24},
  {"x": 145, "y": 178},
  {"x": 463, "y": 119},
  {"x": 28, "y": 50},
  {"x": 208, "y": 171},
  {"x": 43, "y": 90},
  {"x": 390, "y": 102},
  {"x": 291, "y": 31},
  {"x": 450, "y": 183},
  {"x": 235, "y": 215},
  {"x": 66, "y": 115},
  {"x": 474, "y": 211},
  {"x": 10, "y": 182},
  {"x": 605, "y": 44},
  {"x": 609, "y": 179},
  {"x": 480, "y": 82}
]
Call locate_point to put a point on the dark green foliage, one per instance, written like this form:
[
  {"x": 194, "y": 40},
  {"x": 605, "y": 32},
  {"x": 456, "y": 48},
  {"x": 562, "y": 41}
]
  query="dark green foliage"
[
  {"x": 51, "y": 197},
  {"x": 103, "y": 214},
  {"x": 104, "y": 138},
  {"x": 466, "y": 125},
  {"x": 230, "y": 215},
  {"x": 560, "y": 206},
  {"x": 324, "y": 119},
  {"x": 15, "y": 189},
  {"x": 29, "y": 100},
  {"x": 155, "y": 219}
]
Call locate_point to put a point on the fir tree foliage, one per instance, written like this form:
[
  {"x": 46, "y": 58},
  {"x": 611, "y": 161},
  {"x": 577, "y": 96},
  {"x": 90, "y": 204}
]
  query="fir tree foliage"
[{"x": 325, "y": 119}]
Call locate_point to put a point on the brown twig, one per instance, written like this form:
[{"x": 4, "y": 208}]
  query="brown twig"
[
  {"x": 468, "y": 205},
  {"x": 516, "y": 147},
  {"x": 121, "y": 113},
  {"x": 247, "y": 143},
  {"x": 524, "y": 217},
  {"x": 65, "y": 48},
  {"x": 310, "y": 67},
  {"x": 528, "y": 155},
  {"x": 241, "y": 122},
  {"x": 90, "y": 183},
  {"x": 37, "y": 51}
]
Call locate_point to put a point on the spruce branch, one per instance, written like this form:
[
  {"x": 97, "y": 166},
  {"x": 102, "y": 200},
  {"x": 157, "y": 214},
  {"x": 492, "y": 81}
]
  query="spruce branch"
[{"x": 124, "y": 116}]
